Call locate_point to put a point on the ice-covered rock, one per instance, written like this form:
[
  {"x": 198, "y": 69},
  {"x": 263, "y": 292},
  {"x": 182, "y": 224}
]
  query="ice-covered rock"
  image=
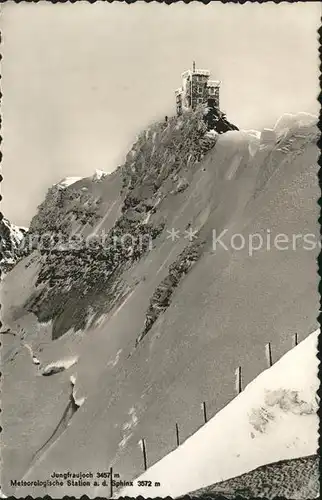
[
  {"x": 35, "y": 360},
  {"x": 252, "y": 133},
  {"x": 11, "y": 243},
  {"x": 59, "y": 366},
  {"x": 99, "y": 175},
  {"x": 68, "y": 181},
  {"x": 290, "y": 121},
  {"x": 253, "y": 137},
  {"x": 211, "y": 134},
  {"x": 268, "y": 137}
]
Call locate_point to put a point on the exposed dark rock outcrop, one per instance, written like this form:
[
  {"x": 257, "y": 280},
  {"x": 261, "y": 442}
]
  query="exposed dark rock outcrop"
[
  {"x": 217, "y": 120},
  {"x": 161, "y": 298},
  {"x": 291, "y": 479}
]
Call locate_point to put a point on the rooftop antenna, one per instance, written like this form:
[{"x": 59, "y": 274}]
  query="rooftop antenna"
[{"x": 194, "y": 66}]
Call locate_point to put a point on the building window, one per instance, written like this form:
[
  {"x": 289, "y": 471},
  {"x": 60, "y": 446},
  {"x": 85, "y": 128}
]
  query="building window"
[
  {"x": 199, "y": 90},
  {"x": 199, "y": 100}
]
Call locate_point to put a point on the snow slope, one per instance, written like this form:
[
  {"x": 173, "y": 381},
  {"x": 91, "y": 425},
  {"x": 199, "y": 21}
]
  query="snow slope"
[
  {"x": 222, "y": 313},
  {"x": 272, "y": 419}
]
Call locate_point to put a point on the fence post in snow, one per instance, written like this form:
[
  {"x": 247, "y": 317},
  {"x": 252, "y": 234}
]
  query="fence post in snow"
[
  {"x": 111, "y": 482},
  {"x": 268, "y": 353},
  {"x": 204, "y": 409},
  {"x": 177, "y": 435},
  {"x": 238, "y": 374},
  {"x": 143, "y": 447},
  {"x": 295, "y": 339}
]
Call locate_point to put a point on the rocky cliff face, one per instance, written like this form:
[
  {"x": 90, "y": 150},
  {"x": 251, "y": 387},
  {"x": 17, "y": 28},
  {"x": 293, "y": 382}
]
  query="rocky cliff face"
[
  {"x": 125, "y": 277},
  {"x": 80, "y": 273}
]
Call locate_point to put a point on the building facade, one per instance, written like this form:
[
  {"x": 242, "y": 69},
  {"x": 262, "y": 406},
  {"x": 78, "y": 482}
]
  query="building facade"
[{"x": 197, "y": 88}]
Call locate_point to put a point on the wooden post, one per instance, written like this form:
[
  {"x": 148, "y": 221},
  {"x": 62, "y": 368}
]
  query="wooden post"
[
  {"x": 177, "y": 435},
  {"x": 268, "y": 352},
  {"x": 238, "y": 374},
  {"x": 111, "y": 482},
  {"x": 144, "y": 454},
  {"x": 295, "y": 339},
  {"x": 204, "y": 409}
]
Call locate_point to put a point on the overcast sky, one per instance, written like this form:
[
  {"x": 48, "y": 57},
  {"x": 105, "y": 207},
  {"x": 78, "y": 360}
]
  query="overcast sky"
[{"x": 81, "y": 80}]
